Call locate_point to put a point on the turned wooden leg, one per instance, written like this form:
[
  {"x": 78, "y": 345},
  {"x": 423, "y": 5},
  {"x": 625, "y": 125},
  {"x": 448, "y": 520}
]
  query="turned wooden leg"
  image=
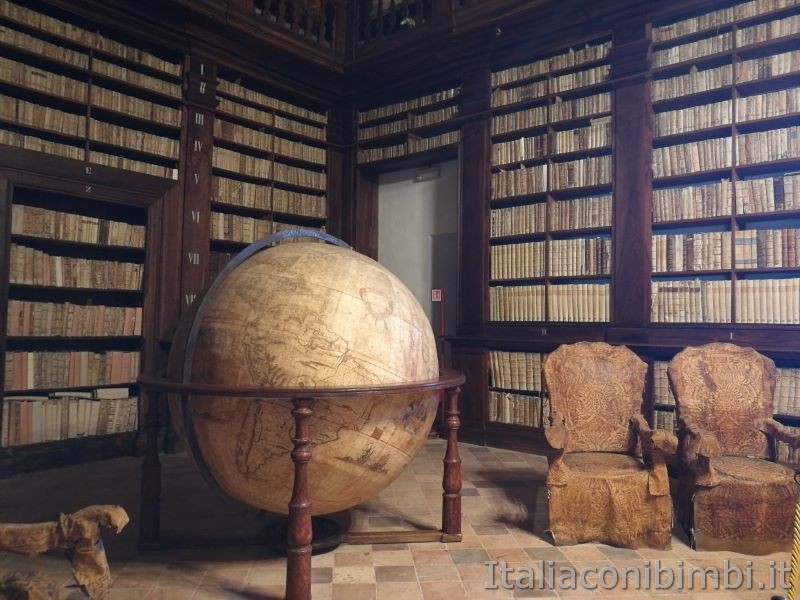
[
  {"x": 150, "y": 508},
  {"x": 451, "y": 482},
  {"x": 298, "y": 566}
]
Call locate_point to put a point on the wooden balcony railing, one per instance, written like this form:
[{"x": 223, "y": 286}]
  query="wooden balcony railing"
[
  {"x": 314, "y": 20},
  {"x": 377, "y": 19}
]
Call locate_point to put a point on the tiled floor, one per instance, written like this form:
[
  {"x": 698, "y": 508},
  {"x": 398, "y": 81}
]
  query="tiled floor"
[{"x": 214, "y": 554}]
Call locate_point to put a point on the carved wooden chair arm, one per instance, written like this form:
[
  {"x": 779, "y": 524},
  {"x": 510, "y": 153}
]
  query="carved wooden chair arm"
[
  {"x": 653, "y": 439},
  {"x": 780, "y": 432}
]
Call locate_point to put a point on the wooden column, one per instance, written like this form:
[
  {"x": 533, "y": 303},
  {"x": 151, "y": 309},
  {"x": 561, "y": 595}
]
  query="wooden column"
[
  {"x": 451, "y": 482},
  {"x": 474, "y": 161},
  {"x": 298, "y": 562},
  {"x": 633, "y": 127}
]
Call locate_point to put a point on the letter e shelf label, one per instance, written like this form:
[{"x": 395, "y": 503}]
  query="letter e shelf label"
[{"x": 436, "y": 295}]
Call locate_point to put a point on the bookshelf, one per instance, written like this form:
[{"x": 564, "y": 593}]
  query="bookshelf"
[
  {"x": 73, "y": 330},
  {"x": 269, "y": 167},
  {"x": 71, "y": 90},
  {"x": 410, "y": 127},
  {"x": 551, "y": 190},
  {"x": 724, "y": 223}
]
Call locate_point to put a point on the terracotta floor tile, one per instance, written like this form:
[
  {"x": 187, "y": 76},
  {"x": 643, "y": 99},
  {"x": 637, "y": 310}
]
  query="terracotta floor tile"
[
  {"x": 437, "y": 573},
  {"x": 432, "y": 557},
  {"x": 354, "y": 591},
  {"x": 395, "y": 574},
  {"x": 353, "y": 559},
  {"x": 351, "y": 574},
  {"x": 398, "y": 591},
  {"x": 397, "y": 558},
  {"x": 443, "y": 590}
]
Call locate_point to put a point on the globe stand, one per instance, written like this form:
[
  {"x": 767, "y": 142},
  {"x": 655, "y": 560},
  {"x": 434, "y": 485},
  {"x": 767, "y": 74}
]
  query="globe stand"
[
  {"x": 299, "y": 528},
  {"x": 327, "y": 534}
]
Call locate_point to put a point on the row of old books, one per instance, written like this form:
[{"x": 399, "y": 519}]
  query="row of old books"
[
  {"x": 245, "y": 164},
  {"x": 580, "y": 213},
  {"x": 704, "y": 251},
  {"x": 693, "y": 202},
  {"x": 133, "y": 139},
  {"x": 702, "y": 155},
  {"x": 33, "y": 78},
  {"x": 692, "y": 50},
  {"x": 565, "y": 215},
  {"x": 662, "y": 392},
  {"x": 558, "y": 110},
  {"x": 719, "y": 17},
  {"x": 690, "y": 301},
  {"x": 590, "y": 171},
  {"x": 256, "y": 115},
  {"x": 72, "y": 320},
  {"x": 772, "y": 104},
  {"x": 35, "y": 115},
  {"x": 250, "y": 95},
  {"x": 517, "y": 303},
  {"x": 697, "y": 117},
  {"x": 236, "y": 228},
  {"x": 515, "y": 370},
  {"x": 518, "y": 220},
  {"x": 517, "y": 261},
  {"x": 29, "y": 142},
  {"x": 587, "y": 302},
  {"x": 66, "y": 415},
  {"x": 268, "y": 142},
  {"x": 32, "y": 370},
  {"x": 765, "y": 67},
  {"x": 575, "y": 302},
  {"x": 133, "y": 106},
  {"x": 769, "y": 301},
  {"x": 413, "y": 145},
  {"x": 53, "y": 224},
  {"x": 787, "y": 392},
  {"x": 410, "y": 121},
  {"x": 597, "y": 135},
  {"x": 693, "y": 82},
  {"x": 755, "y": 34},
  {"x": 407, "y": 105},
  {"x": 29, "y": 266},
  {"x": 771, "y": 194},
  {"x": 13, "y": 37},
  {"x": 84, "y": 37},
  {"x": 545, "y": 87},
  {"x": 762, "y": 146},
  {"x": 664, "y": 419},
  {"x": 580, "y": 256},
  {"x": 240, "y": 193},
  {"x": 130, "y": 164},
  {"x": 518, "y": 409},
  {"x": 590, "y": 52},
  {"x": 767, "y": 248},
  {"x": 135, "y": 78}
]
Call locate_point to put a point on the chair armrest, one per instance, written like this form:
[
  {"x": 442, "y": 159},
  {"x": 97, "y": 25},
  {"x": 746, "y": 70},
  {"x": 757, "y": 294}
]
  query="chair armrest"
[
  {"x": 698, "y": 448},
  {"x": 780, "y": 432},
  {"x": 698, "y": 442},
  {"x": 653, "y": 439},
  {"x": 557, "y": 434}
]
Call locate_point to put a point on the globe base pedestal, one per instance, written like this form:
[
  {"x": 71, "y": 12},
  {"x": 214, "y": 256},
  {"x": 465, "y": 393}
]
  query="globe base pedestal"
[{"x": 327, "y": 534}]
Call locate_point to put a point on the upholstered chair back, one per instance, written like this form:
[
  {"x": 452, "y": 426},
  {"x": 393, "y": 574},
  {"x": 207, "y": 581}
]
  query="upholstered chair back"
[
  {"x": 727, "y": 390},
  {"x": 596, "y": 388}
]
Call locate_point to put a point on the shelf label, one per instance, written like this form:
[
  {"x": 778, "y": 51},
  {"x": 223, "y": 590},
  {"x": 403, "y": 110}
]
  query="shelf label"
[
  {"x": 199, "y": 119},
  {"x": 436, "y": 295},
  {"x": 196, "y": 216},
  {"x": 189, "y": 298},
  {"x": 198, "y": 145},
  {"x": 194, "y": 258}
]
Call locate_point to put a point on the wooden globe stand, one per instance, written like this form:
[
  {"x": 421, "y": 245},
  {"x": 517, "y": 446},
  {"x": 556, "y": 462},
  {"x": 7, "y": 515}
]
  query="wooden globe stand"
[{"x": 299, "y": 530}]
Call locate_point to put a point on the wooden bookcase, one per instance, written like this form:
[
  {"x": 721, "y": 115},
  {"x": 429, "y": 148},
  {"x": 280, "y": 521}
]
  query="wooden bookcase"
[
  {"x": 269, "y": 164},
  {"x": 409, "y": 127},
  {"x": 110, "y": 128}
]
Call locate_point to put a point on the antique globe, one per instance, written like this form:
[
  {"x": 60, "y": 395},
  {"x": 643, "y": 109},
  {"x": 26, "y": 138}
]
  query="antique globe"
[{"x": 304, "y": 315}]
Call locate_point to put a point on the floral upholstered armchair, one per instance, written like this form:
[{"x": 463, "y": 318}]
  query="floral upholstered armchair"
[
  {"x": 607, "y": 480},
  {"x": 731, "y": 493}
]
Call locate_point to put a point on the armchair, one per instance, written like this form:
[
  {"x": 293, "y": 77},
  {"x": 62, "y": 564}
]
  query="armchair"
[
  {"x": 607, "y": 481},
  {"x": 731, "y": 493}
]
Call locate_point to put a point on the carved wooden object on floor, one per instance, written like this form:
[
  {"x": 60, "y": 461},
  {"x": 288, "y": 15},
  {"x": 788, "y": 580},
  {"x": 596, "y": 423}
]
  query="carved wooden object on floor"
[
  {"x": 732, "y": 496},
  {"x": 27, "y": 586},
  {"x": 601, "y": 488},
  {"x": 80, "y": 535}
]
